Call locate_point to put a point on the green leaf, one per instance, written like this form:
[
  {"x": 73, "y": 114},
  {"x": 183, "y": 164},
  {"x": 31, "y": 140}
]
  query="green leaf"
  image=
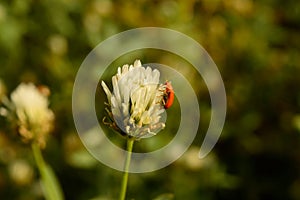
[{"x": 50, "y": 184}]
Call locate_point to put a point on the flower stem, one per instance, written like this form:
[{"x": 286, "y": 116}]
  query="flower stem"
[{"x": 130, "y": 142}]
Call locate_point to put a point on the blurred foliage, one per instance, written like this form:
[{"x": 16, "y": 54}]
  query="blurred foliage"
[{"x": 256, "y": 46}]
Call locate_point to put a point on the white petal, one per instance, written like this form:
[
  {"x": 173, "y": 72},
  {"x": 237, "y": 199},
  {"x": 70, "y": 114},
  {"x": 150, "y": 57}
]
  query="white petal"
[
  {"x": 116, "y": 90},
  {"x": 137, "y": 63},
  {"x": 107, "y": 91}
]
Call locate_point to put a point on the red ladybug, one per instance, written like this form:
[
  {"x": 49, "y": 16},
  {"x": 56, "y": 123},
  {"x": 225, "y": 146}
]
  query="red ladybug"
[{"x": 168, "y": 98}]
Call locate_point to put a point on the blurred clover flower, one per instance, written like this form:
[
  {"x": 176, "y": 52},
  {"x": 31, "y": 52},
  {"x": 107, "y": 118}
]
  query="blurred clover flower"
[
  {"x": 29, "y": 109},
  {"x": 134, "y": 107}
]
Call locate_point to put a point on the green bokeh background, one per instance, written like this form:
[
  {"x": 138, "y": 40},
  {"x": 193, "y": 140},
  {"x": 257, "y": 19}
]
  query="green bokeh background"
[{"x": 256, "y": 46}]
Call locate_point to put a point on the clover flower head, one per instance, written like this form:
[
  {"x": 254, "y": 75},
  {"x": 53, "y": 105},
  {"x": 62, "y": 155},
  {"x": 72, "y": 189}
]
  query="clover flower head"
[
  {"x": 134, "y": 105},
  {"x": 28, "y": 107}
]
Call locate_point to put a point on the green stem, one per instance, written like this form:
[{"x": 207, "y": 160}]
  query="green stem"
[
  {"x": 38, "y": 157},
  {"x": 130, "y": 142}
]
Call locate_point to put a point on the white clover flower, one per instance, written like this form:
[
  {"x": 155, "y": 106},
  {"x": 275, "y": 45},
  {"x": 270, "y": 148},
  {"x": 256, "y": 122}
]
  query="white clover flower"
[
  {"x": 29, "y": 108},
  {"x": 134, "y": 106}
]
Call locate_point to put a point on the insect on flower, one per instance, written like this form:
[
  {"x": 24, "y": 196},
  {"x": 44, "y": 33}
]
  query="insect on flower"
[{"x": 168, "y": 97}]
